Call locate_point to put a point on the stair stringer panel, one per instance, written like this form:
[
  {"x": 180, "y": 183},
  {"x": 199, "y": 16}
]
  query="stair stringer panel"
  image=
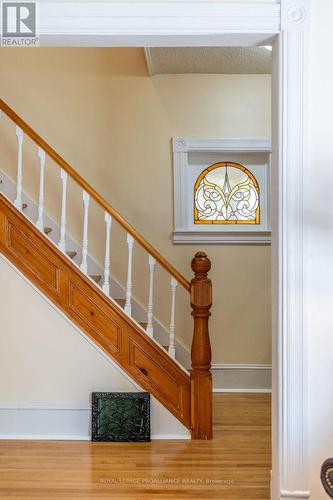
[{"x": 83, "y": 302}]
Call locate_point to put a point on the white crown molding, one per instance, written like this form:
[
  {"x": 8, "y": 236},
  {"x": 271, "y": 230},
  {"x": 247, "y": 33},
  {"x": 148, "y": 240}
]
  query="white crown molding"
[{"x": 192, "y": 144}]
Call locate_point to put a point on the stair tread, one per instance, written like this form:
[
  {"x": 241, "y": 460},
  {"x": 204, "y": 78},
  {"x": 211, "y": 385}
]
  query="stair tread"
[
  {"x": 143, "y": 324},
  {"x": 121, "y": 302},
  {"x": 71, "y": 254},
  {"x": 47, "y": 230},
  {"x": 96, "y": 277}
]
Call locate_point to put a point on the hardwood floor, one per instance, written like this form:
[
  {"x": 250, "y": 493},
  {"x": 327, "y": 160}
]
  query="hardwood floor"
[{"x": 235, "y": 465}]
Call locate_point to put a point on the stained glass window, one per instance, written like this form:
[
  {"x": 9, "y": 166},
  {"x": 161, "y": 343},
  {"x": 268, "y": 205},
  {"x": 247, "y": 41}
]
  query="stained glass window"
[{"x": 226, "y": 193}]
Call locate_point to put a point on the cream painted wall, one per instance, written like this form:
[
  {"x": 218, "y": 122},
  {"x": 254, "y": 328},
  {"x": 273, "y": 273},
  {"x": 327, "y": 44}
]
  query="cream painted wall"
[
  {"x": 319, "y": 242},
  {"x": 102, "y": 112}
]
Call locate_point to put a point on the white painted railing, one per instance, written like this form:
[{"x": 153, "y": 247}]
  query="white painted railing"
[
  {"x": 129, "y": 285},
  {"x": 19, "y": 183},
  {"x": 40, "y": 220},
  {"x": 104, "y": 282},
  {"x": 106, "y": 279},
  {"x": 62, "y": 241},
  {"x": 172, "y": 335},
  {"x": 150, "y": 313},
  {"x": 84, "y": 262}
]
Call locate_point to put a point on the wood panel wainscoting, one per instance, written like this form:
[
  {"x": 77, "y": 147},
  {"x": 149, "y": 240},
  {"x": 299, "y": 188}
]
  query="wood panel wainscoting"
[{"x": 235, "y": 465}]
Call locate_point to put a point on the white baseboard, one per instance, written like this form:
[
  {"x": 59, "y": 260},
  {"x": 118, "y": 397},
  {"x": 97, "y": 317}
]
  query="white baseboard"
[
  {"x": 250, "y": 391},
  {"x": 290, "y": 495},
  {"x": 42, "y": 437},
  {"x": 242, "y": 378},
  {"x": 170, "y": 436},
  {"x": 68, "y": 437},
  {"x": 61, "y": 422}
]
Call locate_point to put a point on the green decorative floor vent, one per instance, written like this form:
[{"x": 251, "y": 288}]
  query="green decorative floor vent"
[{"x": 120, "y": 416}]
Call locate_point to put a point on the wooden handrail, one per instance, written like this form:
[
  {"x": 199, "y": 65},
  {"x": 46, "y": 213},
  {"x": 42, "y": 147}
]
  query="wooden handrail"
[{"x": 98, "y": 198}]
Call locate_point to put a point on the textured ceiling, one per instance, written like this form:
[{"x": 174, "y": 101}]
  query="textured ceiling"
[{"x": 221, "y": 60}]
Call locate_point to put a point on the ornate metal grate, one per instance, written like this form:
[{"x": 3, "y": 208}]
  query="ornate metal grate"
[{"x": 120, "y": 416}]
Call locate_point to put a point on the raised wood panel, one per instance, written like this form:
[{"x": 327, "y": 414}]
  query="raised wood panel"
[
  {"x": 85, "y": 304},
  {"x": 149, "y": 365},
  {"x": 33, "y": 257},
  {"x": 93, "y": 315}
]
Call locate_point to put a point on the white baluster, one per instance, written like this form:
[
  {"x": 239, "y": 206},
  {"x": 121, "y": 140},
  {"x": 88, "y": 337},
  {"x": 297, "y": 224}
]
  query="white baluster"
[
  {"x": 150, "y": 328},
  {"x": 19, "y": 182},
  {"x": 129, "y": 286},
  {"x": 172, "y": 347},
  {"x": 62, "y": 241},
  {"x": 40, "y": 220},
  {"x": 106, "y": 281},
  {"x": 84, "y": 263}
]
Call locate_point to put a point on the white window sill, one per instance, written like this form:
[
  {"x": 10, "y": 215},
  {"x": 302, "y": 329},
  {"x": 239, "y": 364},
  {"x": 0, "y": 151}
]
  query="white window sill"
[{"x": 189, "y": 237}]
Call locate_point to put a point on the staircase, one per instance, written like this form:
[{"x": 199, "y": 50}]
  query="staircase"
[{"x": 85, "y": 298}]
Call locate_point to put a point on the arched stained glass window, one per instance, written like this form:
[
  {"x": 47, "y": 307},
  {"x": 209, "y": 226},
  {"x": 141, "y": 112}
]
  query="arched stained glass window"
[{"x": 226, "y": 193}]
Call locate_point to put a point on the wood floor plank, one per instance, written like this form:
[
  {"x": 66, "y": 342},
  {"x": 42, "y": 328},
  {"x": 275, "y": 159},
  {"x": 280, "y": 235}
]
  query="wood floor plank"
[{"x": 234, "y": 466}]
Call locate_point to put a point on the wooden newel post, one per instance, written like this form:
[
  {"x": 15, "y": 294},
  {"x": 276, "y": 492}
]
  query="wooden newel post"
[{"x": 201, "y": 378}]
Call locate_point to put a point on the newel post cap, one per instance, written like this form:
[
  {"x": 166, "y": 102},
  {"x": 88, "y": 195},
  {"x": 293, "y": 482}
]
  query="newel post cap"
[{"x": 200, "y": 264}]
